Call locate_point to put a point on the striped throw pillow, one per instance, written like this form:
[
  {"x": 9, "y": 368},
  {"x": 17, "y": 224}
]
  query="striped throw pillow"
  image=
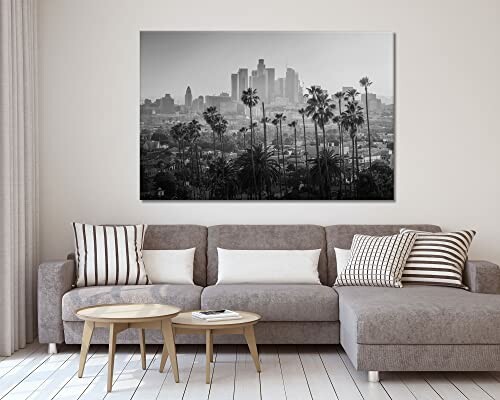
[
  {"x": 438, "y": 258},
  {"x": 109, "y": 255},
  {"x": 377, "y": 260}
]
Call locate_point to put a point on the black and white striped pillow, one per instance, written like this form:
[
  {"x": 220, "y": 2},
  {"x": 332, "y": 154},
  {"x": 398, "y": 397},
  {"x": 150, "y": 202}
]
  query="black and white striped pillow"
[
  {"x": 109, "y": 255},
  {"x": 377, "y": 260},
  {"x": 438, "y": 258}
]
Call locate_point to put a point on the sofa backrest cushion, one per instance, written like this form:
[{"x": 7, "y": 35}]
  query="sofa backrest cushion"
[
  {"x": 177, "y": 237},
  {"x": 341, "y": 236},
  {"x": 265, "y": 237}
]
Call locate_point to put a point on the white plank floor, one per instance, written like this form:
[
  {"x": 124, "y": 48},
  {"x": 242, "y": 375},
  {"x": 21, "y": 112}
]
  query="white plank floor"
[{"x": 288, "y": 372}]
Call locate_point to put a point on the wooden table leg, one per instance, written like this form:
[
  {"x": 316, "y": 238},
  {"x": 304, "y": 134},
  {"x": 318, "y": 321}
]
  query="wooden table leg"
[
  {"x": 111, "y": 356},
  {"x": 252, "y": 346},
  {"x": 142, "y": 345},
  {"x": 168, "y": 338},
  {"x": 208, "y": 346},
  {"x": 211, "y": 346},
  {"x": 88, "y": 329}
]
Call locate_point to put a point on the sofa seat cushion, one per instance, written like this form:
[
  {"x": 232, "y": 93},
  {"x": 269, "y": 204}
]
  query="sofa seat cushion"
[
  {"x": 187, "y": 297},
  {"x": 418, "y": 315},
  {"x": 275, "y": 302}
]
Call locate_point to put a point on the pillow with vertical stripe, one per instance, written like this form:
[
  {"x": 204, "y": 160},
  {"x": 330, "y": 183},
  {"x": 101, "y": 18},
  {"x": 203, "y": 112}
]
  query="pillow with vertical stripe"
[
  {"x": 377, "y": 260},
  {"x": 109, "y": 255},
  {"x": 438, "y": 258}
]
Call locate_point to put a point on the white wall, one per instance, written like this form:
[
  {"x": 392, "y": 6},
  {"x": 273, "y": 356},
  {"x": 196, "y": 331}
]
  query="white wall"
[{"x": 447, "y": 129}]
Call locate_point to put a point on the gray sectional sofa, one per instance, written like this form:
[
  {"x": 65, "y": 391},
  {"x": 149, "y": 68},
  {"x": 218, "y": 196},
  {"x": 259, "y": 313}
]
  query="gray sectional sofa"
[{"x": 381, "y": 329}]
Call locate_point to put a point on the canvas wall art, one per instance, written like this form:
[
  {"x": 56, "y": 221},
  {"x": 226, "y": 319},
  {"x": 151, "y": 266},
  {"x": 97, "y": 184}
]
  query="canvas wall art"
[{"x": 266, "y": 116}]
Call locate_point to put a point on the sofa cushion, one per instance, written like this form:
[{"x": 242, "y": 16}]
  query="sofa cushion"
[
  {"x": 275, "y": 302},
  {"x": 187, "y": 297},
  {"x": 418, "y": 315},
  {"x": 180, "y": 237},
  {"x": 341, "y": 236},
  {"x": 265, "y": 237}
]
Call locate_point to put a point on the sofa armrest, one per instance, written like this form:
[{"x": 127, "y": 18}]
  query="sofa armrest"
[
  {"x": 482, "y": 277},
  {"x": 54, "y": 280}
]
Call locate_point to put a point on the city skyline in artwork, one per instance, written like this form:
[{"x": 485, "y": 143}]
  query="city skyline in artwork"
[{"x": 214, "y": 126}]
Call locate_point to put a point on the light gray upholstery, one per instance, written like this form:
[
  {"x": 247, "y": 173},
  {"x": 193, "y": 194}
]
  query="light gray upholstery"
[
  {"x": 265, "y": 333},
  {"x": 482, "y": 277},
  {"x": 265, "y": 237},
  {"x": 341, "y": 236},
  {"x": 275, "y": 302},
  {"x": 54, "y": 279},
  {"x": 383, "y": 329},
  {"x": 187, "y": 297},
  {"x": 441, "y": 357},
  {"x": 418, "y": 315},
  {"x": 178, "y": 237}
]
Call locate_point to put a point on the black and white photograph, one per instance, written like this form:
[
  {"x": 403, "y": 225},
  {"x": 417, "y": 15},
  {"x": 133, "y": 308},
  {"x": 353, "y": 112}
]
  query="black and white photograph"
[{"x": 232, "y": 115}]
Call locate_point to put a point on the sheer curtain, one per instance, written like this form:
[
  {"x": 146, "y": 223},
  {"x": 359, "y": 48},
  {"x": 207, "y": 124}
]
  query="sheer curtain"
[{"x": 18, "y": 174}]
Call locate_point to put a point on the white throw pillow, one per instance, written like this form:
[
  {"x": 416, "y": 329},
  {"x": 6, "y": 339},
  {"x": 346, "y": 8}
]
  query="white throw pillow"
[
  {"x": 342, "y": 256},
  {"x": 268, "y": 266},
  {"x": 377, "y": 260},
  {"x": 169, "y": 266},
  {"x": 109, "y": 254}
]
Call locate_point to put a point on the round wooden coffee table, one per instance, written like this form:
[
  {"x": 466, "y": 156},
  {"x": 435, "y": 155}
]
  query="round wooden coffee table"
[
  {"x": 118, "y": 317},
  {"x": 184, "y": 323}
]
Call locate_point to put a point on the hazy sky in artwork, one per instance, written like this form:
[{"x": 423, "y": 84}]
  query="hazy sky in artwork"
[{"x": 170, "y": 61}]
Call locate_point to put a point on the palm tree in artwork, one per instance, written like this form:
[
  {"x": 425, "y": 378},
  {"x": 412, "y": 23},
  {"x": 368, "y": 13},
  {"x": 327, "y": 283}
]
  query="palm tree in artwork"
[
  {"x": 293, "y": 125},
  {"x": 266, "y": 168},
  {"x": 220, "y": 127},
  {"x": 351, "y": 119},
  {"x": 339, "y": 96},
  {"x": 194, "y": 129},
  {"x": 311, "y": 112},
  {"x": 351, "y": 95},
  {"x": 365, "y": 83},
  {"x": 337, "y": 120},
  {"x": 324, "y": 112},
  {"x": 209, "y": 115},
  {"x": 222, "y": 179},
  {"x": 280, "y": 117},
  {"x": 250, "y": 99},
  {"x": 243, "y": 131},
  {"x": 178, "y": 132},
  {"x": 275, "y": 122},
  {"x": 327, "y": 157},
  {"x": 351, "y": 98},
  {"x": 265, "y": 120},
  {"x": 302, "y": 112}
]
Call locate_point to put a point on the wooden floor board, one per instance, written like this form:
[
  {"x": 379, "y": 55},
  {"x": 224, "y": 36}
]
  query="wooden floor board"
[
  {"x": 247, "y": 379},
  {"x": 369, "y": 390},
  {"x": 197, "y": 388},
  {"x": 419, "y": 386},
  {"x": 342, "y": 381},
  {"x": 224, "y": 373},
  {"x": 97, "y": 388},
  {"x": 33, "y": 381},
  {"x": 395, "y": 387},
  {"x": 288, "y": 372},
  {"x": 446, "y": 389},
  {"x": 316, "y": 375},
  {"x": 170, "y": 390},
  {"x": 487, "y": 382},
  {"x": 294, "y": 379},
  {"x": 271, "y": 378}
]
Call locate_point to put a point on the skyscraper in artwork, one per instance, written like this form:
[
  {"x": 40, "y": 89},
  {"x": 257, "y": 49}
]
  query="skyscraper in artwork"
[
  {"x": 242, "y": 81},
  {"x": 188, "y": 98},
  {"x": 234, "y": 87}
]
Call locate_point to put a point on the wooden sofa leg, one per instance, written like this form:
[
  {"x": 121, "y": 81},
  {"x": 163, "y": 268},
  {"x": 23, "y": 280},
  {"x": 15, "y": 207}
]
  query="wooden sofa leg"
[
  {"x": 52, "y": 348},
  {"x": 373, "y": 376}
]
